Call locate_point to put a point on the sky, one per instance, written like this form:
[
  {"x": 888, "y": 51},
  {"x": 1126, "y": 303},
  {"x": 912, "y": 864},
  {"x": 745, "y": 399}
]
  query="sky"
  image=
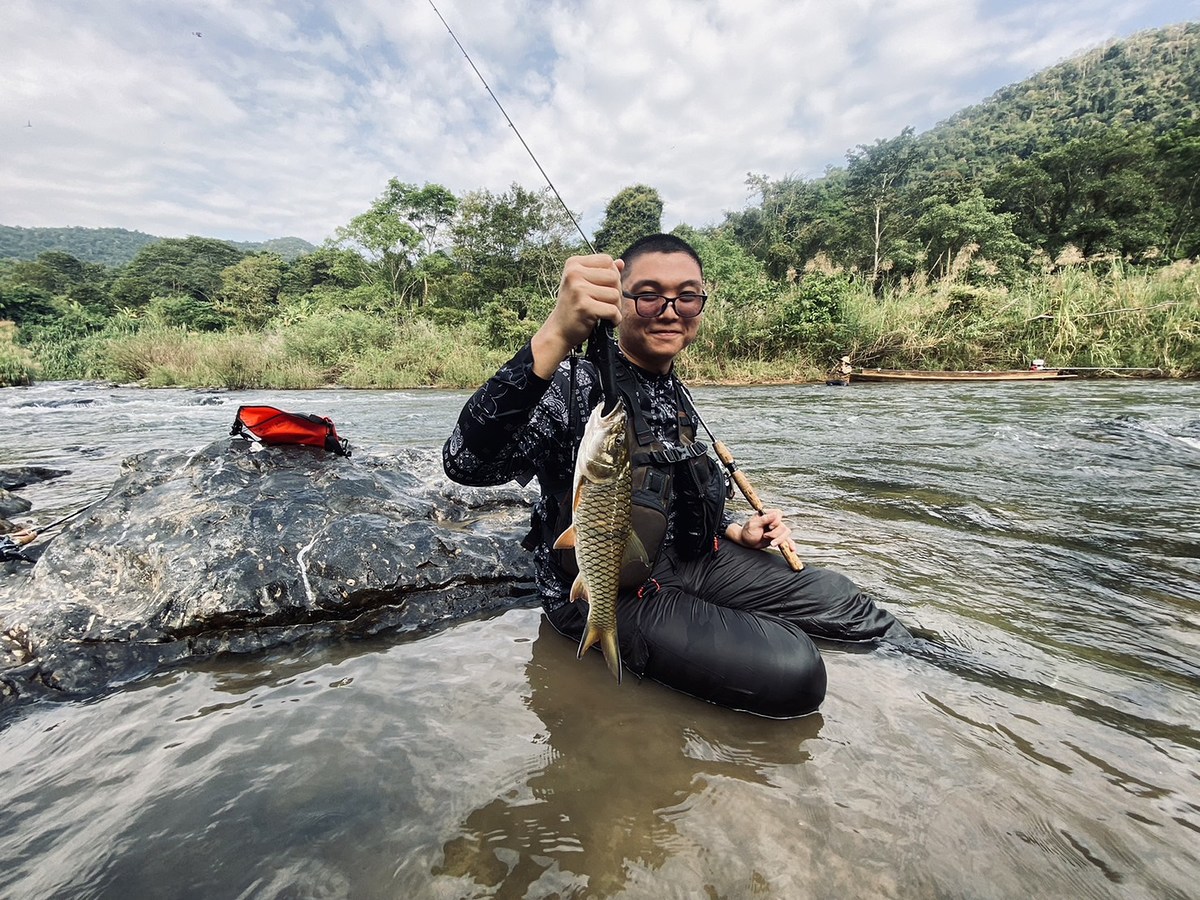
[{"x": 252, "y": 119}]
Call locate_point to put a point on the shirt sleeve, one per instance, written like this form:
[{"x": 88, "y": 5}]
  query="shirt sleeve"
[{"x": 518, "y": 425}]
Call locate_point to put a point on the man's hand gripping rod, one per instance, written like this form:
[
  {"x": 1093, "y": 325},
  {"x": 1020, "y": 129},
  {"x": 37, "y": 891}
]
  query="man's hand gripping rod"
[{"x": 743, "y": 483}]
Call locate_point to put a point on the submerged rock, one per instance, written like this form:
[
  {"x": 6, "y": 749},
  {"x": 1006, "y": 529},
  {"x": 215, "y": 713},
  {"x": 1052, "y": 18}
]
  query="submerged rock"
[
  {"x": 15, "y": 477},
  {"x": 236, "y": 548},
  {"x": 11, "y": 504}
]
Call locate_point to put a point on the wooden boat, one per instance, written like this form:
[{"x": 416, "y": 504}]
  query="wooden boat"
[{"x": 965, "y": 376}]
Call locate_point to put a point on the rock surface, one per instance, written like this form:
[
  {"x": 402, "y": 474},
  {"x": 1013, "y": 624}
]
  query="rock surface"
[
  {"x": 18, "y": 477},
  {"x": 11, "y": 504},
  {"x": 15, "y": 477},
  {"x": 237, "y": 548}
]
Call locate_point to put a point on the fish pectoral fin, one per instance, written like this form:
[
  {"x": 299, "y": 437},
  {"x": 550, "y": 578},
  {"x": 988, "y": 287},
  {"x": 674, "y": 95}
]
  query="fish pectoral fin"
[
  {"x": 566, "y": 539},
  {"x": 579, "y": 589},
  {"x": 635, "y": 551}
]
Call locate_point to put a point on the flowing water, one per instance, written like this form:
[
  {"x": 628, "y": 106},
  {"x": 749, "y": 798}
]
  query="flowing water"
[{"x": 1045, "y": 741}]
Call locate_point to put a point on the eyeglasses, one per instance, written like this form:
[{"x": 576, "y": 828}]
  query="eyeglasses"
[{"x": 650, "y": 306}]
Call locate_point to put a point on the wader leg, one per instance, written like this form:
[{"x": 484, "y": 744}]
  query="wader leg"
[
  {"x": 824, "y": 603},
  {"x": 733, "y": 628},
  {"x": 737, "y": 659},
  {"x": 742, "y": 660}
]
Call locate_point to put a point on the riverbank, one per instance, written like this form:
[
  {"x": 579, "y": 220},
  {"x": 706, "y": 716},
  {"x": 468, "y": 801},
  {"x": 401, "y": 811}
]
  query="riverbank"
[{"x": 1087, "y": 317}]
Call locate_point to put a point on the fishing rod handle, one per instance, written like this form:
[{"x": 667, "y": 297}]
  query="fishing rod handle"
[
  {"x": 792, "y": 559},
  {"x": 739, "y": 477},
  {"x": 743, "y": 483}
]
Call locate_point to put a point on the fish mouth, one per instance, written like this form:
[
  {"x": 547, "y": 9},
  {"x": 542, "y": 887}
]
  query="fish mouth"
[{"x": 615, "y": 418}]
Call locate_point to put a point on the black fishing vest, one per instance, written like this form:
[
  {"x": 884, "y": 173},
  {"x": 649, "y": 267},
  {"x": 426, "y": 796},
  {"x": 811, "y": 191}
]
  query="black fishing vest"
[{"x": 683, "y": 476}]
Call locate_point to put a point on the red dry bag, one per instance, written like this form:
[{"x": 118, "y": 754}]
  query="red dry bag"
[{"x": 274, "y": 426}]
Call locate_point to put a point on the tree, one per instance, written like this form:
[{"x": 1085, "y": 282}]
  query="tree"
[
  {"x": 956, "y": 229},
  {"x": 186, "y": 311},
  {"x": 250, "y": 289},
  {"x": 633, "y": 213},
  {"x": 1097, "y": 192},
  {"x": 190, "y": 266},
  {"x": 67, "y": 269},
  {"x": 513, "y": 240},
  {"x": 35, "y": 274},
  {"x": 876, "y": 182},
  {"x": 25, "y": 305},
  {"x": 325, "y": 266},
  {"x": 32, "y": 290},
  {"x": 797, "y": 219},
  {"x": 402, "y": 226},
  {"x": 732, "y": 275},
  {"x": 1179, "y": 152}
]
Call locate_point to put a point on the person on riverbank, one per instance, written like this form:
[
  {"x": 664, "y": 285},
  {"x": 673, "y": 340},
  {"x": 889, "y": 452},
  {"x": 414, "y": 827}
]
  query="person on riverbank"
[
  {"x": 715, "y": 617},
  {"x": 840, "y": 374}
]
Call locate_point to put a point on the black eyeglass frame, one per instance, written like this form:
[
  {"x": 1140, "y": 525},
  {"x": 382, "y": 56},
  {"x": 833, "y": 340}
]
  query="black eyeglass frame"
[{"x": 665, "y": 301}]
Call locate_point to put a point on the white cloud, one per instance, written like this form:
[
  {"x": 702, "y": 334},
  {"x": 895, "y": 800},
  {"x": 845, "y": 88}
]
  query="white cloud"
[{"x": 285, "y": 118}]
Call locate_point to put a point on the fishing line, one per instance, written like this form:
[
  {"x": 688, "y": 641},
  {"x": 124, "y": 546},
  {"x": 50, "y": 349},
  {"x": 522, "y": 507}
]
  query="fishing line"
[
  {"x": 499, "y": 106},
  {"x": 601, "y": 345}
]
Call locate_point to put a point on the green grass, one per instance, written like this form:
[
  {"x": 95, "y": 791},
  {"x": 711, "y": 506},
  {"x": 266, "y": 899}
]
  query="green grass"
[
  {"x": 17, "y": 365},
  {"x": 1098, "y": 315},
  {"x": 1088, "y": 314}
]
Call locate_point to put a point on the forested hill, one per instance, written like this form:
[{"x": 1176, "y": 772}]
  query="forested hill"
[
  {"x": 1096, "y": 157},
  {"x": 1150, "y": 80},
  {"x": 110, "y": 246},
  {"x": 114, "y": 246}
]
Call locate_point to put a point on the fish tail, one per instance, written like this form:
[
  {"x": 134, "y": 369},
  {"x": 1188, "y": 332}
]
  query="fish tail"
[
  {"x": 612, "y": 653},
  {"x": 607, "y": 639}
]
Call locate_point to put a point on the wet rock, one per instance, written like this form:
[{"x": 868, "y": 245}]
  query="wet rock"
[
  {"x": 235, "y": 548},
  {"x": 11, "y": 504},
  {"x": 22, "y": 476}
]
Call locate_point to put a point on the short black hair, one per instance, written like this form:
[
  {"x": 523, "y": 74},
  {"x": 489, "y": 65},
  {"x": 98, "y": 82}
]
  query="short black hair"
[{"x": 660, "y": 243}]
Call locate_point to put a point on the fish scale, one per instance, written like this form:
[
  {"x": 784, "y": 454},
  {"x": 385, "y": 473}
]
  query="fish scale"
[{"x": 601, "y": 530}]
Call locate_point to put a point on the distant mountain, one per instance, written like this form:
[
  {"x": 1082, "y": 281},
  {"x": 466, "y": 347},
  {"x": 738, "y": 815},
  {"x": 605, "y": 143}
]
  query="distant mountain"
[
  {"x": 287, "y": 247},
  {"x": 1150, "y": 79},
  {"x": 110, "y": 246},
  {"x": 1099, "y": 153},
  {"x": 115, "y": 246}
]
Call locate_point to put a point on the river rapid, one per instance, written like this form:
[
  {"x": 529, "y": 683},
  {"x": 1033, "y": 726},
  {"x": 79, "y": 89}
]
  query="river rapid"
[{"x": 1043, "y": 741}]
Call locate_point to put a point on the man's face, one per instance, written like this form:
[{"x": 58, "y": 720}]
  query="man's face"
[{"x": 654, "y": 343}]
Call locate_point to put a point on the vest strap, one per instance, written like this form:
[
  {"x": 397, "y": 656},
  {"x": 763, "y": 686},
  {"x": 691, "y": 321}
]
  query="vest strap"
[{"x": 668, "y": 455}]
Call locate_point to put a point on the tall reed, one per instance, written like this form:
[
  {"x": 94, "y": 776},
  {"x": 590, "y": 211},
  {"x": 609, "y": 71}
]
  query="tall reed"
[
  {"x": 1099, "y": 313},
  {"x": 17, "y": 365}
]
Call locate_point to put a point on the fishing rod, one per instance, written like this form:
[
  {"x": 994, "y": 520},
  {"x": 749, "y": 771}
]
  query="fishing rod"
[
  {"x": 601, "y": 344},
  {"x": 11, "y": 544}
]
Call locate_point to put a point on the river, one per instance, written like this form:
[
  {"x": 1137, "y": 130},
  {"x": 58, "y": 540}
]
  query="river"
[{"x": 1045, "y": 740}]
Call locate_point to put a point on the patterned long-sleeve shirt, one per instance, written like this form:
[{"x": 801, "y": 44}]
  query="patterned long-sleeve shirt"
[{"x": 519, "y": 426}]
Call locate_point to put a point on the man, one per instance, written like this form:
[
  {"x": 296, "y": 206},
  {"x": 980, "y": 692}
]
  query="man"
[
  {"x": 715, "y": 616},
  {"x": 840, "y": 374}
]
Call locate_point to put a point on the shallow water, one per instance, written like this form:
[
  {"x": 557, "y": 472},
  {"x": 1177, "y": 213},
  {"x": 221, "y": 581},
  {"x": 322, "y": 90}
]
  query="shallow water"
[{"x": 1045, "y": 743}]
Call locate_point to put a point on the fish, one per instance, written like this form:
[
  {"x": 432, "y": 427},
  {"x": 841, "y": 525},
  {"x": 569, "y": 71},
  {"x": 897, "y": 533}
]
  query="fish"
[{"x": 601, "y": 529}]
